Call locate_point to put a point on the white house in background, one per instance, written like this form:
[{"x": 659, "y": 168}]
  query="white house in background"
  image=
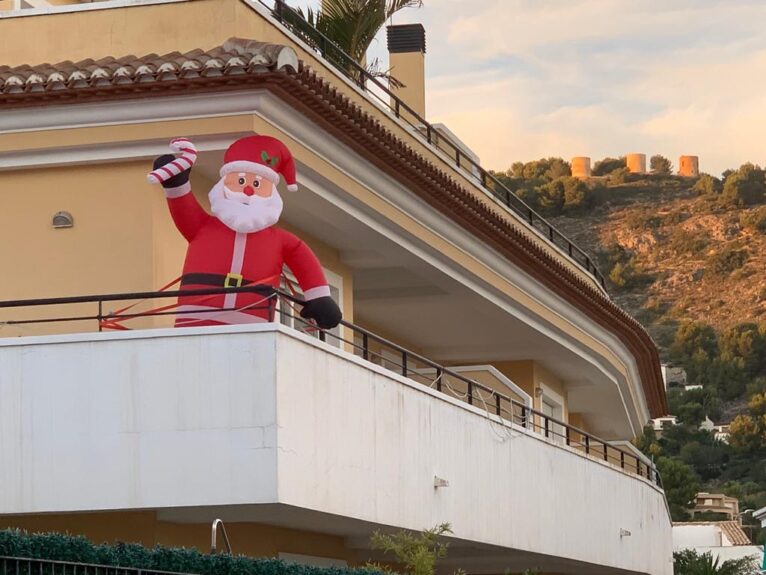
[
  {"x": 662, "y": 423},
  {"x": 760, "y": 515},
  {"x": 724, "y": 539},
  {"x": 673, "y": 375},
  {"x": 722, "y": 432},
  {"x": 707, "y": 424}
]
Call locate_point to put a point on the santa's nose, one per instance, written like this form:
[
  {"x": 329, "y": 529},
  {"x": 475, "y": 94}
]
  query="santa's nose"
[{"x": 248, "y": 190}]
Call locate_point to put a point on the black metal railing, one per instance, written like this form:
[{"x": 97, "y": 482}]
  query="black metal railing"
[
  {"x": 279, "y": 305},
  {"x": 28, "y": 566},
  {"x": 344, "y": 63}
]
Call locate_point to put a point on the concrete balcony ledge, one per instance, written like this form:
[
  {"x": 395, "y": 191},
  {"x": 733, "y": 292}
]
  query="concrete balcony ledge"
[{"x": 248, "y": 420}]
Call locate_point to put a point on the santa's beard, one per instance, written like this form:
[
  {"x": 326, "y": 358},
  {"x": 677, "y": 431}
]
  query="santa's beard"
[{"x": 259, "y": 214}]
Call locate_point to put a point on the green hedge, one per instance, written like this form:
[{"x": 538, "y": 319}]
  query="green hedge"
[{"x": 58, "y": 547}]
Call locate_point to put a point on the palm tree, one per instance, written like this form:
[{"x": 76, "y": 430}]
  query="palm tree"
[
  {"x": 689, "y": 562},
  {"x": 352, "y": 26}
]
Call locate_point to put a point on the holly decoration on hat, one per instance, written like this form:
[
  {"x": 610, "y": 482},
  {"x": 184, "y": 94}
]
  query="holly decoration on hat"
[{"x": 272, "y": 160}]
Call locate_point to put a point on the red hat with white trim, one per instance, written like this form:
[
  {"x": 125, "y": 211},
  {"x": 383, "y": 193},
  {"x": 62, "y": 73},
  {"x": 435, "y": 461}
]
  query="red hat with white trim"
[{"x": 262, "y": 155}]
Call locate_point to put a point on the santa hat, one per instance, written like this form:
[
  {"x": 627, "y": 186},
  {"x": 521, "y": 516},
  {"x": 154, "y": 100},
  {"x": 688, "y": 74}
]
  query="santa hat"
[{"x": 262, "y": 155}]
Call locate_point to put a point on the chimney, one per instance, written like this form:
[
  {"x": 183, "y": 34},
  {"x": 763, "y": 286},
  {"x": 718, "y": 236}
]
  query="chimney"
[{"x": 406, "y": 57}]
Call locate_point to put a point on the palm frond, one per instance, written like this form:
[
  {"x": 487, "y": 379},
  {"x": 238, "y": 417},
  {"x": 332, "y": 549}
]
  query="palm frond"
[{"x": 353, "y": 24}]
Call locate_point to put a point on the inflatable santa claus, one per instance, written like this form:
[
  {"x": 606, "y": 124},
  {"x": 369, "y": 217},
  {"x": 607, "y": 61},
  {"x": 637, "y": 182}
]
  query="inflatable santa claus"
[{"x": 239, "y": 244}]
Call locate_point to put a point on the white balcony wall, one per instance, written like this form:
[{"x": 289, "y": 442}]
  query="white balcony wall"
[{"x": 252, "y": 415}]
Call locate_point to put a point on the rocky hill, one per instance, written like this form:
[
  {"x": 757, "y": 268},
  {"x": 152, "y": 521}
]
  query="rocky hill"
[
  {"x": 684, "y": 256},
  {"x": 675, "y": 255}
]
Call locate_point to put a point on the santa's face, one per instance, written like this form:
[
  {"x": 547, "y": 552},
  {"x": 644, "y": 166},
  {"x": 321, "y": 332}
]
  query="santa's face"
[
  {"x": 242, "y": 186},
  {"x": 246, "y": 202}
]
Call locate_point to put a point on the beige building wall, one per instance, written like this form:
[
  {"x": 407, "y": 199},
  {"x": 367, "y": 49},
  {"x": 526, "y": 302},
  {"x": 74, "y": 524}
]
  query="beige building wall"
[
  {"x": 409, "y": 69},
  {"x": 123, "y": 240},
  {"x": 247, "y": 538}
]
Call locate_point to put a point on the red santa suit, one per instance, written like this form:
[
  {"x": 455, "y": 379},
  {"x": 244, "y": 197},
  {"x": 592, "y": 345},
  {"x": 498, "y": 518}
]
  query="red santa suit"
[{"x": 220, "y": 256}]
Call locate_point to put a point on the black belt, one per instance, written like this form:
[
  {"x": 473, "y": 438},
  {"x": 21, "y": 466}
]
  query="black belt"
[{"x": 218, "y": 280}]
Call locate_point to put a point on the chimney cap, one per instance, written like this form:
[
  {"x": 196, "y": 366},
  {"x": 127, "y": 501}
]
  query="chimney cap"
[{"x": 406, "y": 38}]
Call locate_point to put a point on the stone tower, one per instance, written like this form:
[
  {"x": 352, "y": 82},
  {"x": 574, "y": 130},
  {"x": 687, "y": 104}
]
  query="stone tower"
[
  {"x": 636, "y": 163},
  {"x": 689, "y": 166},
  {"x": 581, "y": 167}
]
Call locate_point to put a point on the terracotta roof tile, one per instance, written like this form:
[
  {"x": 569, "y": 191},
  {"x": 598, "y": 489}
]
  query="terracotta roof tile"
[
  {"x": 236, "y": 56},
  {"x": 734, "y": 533},
  {"x": 732, "y": 530}
]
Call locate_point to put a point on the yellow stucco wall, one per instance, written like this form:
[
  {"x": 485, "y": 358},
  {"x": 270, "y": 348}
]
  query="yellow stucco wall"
[
  {"x": 409, "y": 69},
  {"x": 123, "y": 240},
  {"x": 545, "y": 380},
  {"x": 252, "y": 539}
]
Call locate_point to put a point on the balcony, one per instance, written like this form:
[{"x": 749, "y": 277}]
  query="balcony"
[{"x": 263, "y": 423}]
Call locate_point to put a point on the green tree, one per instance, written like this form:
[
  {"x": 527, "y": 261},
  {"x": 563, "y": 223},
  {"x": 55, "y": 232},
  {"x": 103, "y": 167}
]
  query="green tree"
[
  {"x": 608, "y": 165},
  {"x": 550, "y": 197},
  {"x": 746, "y": 341},
  {"x": 647, "y": 442},
  {"x": 707, "y": 185},
  {"x": 544, "y": 169},
  {"x": 660, "y": 165},
  {"x": 748, "y": 431},
  {"x": 577, "y": 194},
  {"x": 417, "y": 552},
  {"x": 754, "y": 220},
  {"x": 681, "y": 484},
  {"x": 689, "y": 562},
  {"x": 619, "y": 175},
  {"x": 692, "y": 339},
  {"x": 744, "y": 187}
]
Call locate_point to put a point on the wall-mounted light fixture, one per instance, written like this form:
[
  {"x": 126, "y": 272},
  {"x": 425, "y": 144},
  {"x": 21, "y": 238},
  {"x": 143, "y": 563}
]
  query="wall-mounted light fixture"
[
  {"x": 63, "y": 220},
  {"x": 538, "y": 392},
  {"x": 440, "y": 482}
]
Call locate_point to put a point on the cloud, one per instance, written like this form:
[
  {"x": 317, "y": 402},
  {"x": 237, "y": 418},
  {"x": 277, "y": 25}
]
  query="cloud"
[
  {"x": 521, "y": 79},
  {"x": 601, "y": 78}
]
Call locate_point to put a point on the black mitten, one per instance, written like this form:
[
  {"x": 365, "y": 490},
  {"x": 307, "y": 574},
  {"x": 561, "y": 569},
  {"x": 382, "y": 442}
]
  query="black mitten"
[
  {"x": 324, "y": 311},
  {"x": 175, "y": 181}
]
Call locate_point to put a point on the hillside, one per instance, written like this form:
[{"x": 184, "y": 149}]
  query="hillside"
[
  {"x": 687, "y": 258},
  {"x": 691, "y": 259}
]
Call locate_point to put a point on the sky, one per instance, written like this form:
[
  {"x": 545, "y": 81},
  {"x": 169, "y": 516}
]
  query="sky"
[{"x": 518, "y": 80}]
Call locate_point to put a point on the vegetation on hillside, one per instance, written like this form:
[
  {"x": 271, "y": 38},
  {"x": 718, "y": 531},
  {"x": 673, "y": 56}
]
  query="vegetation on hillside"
[
  {"x": 687, "y": 258},
  {"x": 689, "y": 562}
]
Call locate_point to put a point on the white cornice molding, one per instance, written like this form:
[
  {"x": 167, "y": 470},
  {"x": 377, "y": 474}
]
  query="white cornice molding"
[
  {"x": 279, "y": 114},
  {"x": 97, "y": 114},
  {"x": 89, "y": 7}
]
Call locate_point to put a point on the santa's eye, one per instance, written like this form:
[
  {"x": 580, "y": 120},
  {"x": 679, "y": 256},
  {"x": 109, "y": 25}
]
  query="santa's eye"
[
  {"x": 241, "y": 181},
  {"x": 256, "y": 183}
]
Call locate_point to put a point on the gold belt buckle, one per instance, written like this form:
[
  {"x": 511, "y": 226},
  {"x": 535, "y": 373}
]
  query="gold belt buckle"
[{"x": 237, "y": 278}]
